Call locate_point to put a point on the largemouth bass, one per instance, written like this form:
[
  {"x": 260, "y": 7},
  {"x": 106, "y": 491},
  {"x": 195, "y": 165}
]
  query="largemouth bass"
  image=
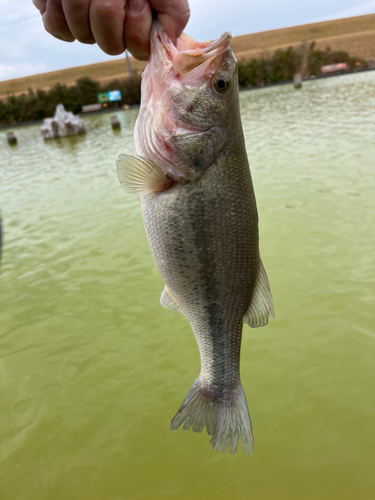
[{"x": 192, "y": 176}]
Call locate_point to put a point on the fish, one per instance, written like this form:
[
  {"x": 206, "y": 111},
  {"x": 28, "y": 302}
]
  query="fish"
[{"x": 191, "y": 174}]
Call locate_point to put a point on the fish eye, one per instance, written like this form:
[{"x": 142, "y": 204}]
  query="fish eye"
[{"x": 222, "y": 83}]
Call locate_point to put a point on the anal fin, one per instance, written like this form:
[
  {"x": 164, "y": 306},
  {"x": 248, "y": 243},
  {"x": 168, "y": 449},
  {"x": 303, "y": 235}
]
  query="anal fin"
[
  {"x": 167, "y": 300},
  {"x": 261, "y": 306}
]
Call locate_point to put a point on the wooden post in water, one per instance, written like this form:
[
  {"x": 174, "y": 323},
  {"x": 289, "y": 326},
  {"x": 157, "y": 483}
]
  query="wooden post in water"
[
  {"x": 115, "y": 122},
  {"x": 297, "y": 81},
  {"x": 11, "y": 138}
]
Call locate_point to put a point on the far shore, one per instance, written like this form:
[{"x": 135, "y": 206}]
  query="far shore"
[{"x": 244, "y": 89}]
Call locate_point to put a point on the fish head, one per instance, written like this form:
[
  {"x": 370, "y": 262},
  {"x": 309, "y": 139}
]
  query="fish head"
[{"x": 189, "y": 102}]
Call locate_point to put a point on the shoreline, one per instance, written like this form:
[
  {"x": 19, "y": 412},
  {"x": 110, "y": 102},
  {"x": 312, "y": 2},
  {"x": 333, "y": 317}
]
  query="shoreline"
[{"x": 243, "y": 89}]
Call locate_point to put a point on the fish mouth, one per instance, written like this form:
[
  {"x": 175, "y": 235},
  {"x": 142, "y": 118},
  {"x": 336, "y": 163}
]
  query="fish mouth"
[{"x": 187, "y": 53}]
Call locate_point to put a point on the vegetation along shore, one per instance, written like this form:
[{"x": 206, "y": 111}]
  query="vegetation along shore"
[{"x": 281, "y": 66}]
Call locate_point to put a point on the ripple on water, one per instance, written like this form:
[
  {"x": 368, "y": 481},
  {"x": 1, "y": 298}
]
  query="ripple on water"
[{"x": 92, "y": 368}]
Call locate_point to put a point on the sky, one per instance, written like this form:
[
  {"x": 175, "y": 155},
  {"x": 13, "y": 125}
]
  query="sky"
[{"x": 26, "y": 48}]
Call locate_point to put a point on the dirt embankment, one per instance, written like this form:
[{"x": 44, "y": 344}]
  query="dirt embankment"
[{"x": 355, "y": 35}]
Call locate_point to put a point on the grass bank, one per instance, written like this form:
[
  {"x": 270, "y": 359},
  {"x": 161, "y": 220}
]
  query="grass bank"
[{"x": 355, "y": 35}]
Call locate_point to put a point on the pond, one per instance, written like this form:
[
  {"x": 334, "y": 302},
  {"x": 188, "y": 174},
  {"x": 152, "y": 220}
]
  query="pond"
[{"x": 92, "y": 368}]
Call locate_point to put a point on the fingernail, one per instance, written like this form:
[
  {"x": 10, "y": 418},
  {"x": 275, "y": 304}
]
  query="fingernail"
[{"x": 136, "y": 6}]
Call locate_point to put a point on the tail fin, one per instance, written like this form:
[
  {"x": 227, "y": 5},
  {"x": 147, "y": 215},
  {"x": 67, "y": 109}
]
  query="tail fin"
[{"x": 225, "y": 418}]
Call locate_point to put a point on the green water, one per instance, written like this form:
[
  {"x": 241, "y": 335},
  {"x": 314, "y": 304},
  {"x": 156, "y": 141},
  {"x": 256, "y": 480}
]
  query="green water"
[{"x": 92, "y": 368}]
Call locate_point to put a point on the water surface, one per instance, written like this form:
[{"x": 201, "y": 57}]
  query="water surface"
[{"x": 92, "y": 368}]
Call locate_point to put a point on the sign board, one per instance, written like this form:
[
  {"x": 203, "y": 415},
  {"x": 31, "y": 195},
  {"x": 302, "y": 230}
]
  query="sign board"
[
  {"x": 112, "y": 95},
  {"x": 331, "y": 68},
  {"x": 102, "y": 97}
]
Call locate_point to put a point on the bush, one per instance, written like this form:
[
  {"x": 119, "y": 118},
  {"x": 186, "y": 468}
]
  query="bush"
[
  {"x": 284, "y": 64},
  {"x": 281, "y": 66},
  {"x": 254, "y": 72},
  {"x": 42, "y": 103},
  {"x": 317, "y": 58},
  {"x": 130, "y": 89}
]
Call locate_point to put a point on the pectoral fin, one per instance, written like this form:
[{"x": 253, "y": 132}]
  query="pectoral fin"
[
  {"x": 139, "y": 176},
  {"x": 261, "y": 305},
  {"x": 167, "y": 300}
]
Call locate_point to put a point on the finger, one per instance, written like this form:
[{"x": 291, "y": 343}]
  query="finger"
[
  {"x": 55, "y": 23},
  {"x": 77, "y": 14},
  {"x": 173, "y": 15},
  {"x": 137, "y": 28},
  {"x": 107, "y": 25},
  {"x": 40, "y": 5}
]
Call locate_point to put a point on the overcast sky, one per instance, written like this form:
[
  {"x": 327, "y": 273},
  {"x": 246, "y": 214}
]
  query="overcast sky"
[{"x": 26, "y": 49}]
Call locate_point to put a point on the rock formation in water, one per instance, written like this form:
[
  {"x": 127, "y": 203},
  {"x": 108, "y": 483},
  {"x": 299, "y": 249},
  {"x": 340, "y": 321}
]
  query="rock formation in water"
[{"x": 62, "y": 124}]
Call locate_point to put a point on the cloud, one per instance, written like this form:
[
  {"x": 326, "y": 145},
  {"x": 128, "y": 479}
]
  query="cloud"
[
  {"x": 26, "y": 48},
  {"x": 9, "y": 71},
  {"x": 210, "y": 18},
  {"x": 358, "y": 10}
]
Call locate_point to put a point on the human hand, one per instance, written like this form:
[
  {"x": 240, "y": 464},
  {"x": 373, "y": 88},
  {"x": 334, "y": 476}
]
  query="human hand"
[{"x": 115, "y": 25}]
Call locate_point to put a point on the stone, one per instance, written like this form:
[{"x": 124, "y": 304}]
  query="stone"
[{"x": 63, "y": 124}]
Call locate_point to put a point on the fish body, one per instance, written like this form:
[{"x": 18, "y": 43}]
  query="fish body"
[{"x": 201, "y": 220}]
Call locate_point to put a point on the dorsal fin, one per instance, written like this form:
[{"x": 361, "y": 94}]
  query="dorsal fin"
[{"x": 261, "y": 305}]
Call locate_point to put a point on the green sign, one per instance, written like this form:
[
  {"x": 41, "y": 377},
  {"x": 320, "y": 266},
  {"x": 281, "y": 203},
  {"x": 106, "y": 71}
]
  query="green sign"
[
  {"x": 112, "y": 95},
  {"x": 102, "y": 97}
]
